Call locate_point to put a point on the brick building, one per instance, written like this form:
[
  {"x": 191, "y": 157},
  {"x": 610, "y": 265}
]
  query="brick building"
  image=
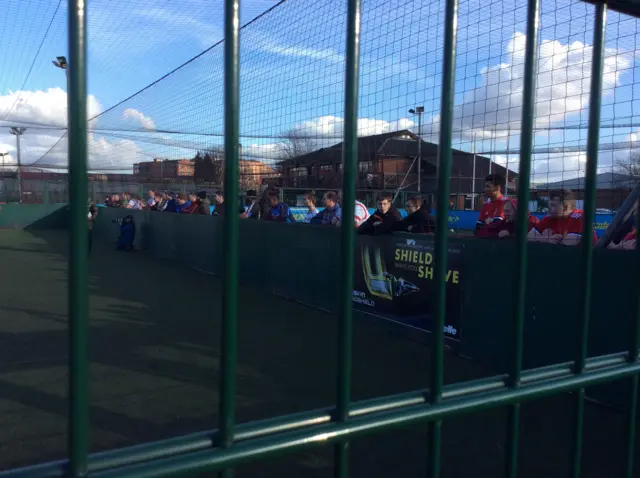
[
  {"x": 160, "y": 169},
  {"x": 385, "y": 163}
]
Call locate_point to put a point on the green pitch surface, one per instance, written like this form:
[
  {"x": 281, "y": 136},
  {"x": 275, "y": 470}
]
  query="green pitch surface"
[{"x": 155, "y": 367}]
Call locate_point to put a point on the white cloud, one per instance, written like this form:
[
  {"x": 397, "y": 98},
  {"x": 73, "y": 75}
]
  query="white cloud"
[
  {"x": 563, "y": 84},
  {"x": 144, "y": 121},
  {"x": 47, "y": 107},
  {"x": 33, "y": 109},
  {"x": 332, "y": 127}
]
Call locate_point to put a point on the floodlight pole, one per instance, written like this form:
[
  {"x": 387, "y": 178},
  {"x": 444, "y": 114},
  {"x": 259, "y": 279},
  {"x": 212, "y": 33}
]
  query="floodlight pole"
[
  {"x": 17, "y": 132},
  {"x": 419, "y": 110}
]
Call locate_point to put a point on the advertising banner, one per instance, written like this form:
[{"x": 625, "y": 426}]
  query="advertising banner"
[{"x": 394, "y": 279}]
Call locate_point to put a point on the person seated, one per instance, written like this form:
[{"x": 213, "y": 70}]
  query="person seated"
[
  {"x": 191, "y": 204},
  {"x": 564, "y": 223},
  {"x": 360, "y": 211},
  {"x": 219, "y": 207},
  {"x": 311, "y": 212},
  {"x": 506, "y": 227},
  {"x": 628, "y": 242},
  {"x": 331, "y": 215},
  {"x": 493, "y": 209},
  {"x": 419, "y": 219},
  {"x": 383, "y": 219},
  {"x": 278, "y": 211}
]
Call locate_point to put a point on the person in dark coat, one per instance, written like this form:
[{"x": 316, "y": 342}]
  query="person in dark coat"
[
  {"x": 419, "y": 219},
  {"x": 383, "y": 219}
]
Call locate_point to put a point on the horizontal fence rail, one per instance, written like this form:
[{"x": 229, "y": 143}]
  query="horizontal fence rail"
[
  {"x": 198, "y": 452},
  {"x": 234, "y": 445}
]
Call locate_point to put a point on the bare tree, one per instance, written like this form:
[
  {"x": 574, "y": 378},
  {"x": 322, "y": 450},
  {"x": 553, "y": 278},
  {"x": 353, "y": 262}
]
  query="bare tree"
[
  {"x": 294, "y": 143},
  {"x": 632, "y": 167}
]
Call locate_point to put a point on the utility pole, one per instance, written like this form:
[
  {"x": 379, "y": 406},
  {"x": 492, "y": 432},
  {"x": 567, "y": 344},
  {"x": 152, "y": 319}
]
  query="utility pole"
[
  {"x": 4, "y": 183},
  {"x": 17, "y": 132},
  {"x": 419, "y": 110},
  {"x": 473, "y": 174}
]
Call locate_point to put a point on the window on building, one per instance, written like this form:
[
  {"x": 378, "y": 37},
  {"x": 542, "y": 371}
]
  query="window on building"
[
  {"x": 326, "y": 167},
  {"x": 365, "y": 166},
  {"x": 299, "y": 171}
]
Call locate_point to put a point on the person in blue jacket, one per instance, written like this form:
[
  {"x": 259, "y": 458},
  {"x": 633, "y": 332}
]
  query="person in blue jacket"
[{"x": 127, "y": 234}]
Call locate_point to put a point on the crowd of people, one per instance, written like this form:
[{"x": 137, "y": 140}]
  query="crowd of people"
[{"x": 496, "y": 220}]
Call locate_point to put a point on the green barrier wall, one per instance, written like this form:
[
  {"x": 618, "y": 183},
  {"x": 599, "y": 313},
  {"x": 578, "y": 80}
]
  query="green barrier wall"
[
  {"x": 44, "y": 216},
  {"x": 301, "y": 263}
]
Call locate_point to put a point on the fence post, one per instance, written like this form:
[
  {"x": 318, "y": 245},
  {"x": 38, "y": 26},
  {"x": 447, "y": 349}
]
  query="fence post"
[
  {"x": 78, "y": 294},
  {"x": 442, "y": 228},
  {"x": 520, "y": 279},
  {"x": 347, "y": 231},
  {"x": 586, "y": 263},
  {"x": 228, "y": 343}
]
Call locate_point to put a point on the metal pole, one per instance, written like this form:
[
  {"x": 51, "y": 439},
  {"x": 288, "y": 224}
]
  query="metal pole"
[
  {"x": 19, "y": 171},
  {"x": 442, "y": 230},
  {"x": 586, "y": 263},
  {"x": 419, "y": 151},
  {"x": 78, "y": 434},
  {"x": 520, "y": 279},
  {"x": 229, "y": 335},
  {"x": 473, "y": 174},
  {"x": 347, "y": 231}
]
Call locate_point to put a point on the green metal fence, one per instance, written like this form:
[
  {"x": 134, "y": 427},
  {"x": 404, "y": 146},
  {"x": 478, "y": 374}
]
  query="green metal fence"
[{"x": 232, "y": 444}]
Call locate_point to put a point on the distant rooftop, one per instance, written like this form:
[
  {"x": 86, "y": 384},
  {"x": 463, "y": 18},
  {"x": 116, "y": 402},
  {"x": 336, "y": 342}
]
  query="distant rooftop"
[{"x": 603, "y": 181}]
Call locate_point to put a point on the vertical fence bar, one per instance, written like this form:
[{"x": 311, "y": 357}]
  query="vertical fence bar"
[
  {"x": 520, "y": 279},
  {"x": 228, "y": 345},
  {"x": 442, "y": 227},
  {"x": 347, "y": 231},
  {"x": 79, "y": 245},
  {"x": 634, "y": 344},
  {"x": 584, "y": 308}
]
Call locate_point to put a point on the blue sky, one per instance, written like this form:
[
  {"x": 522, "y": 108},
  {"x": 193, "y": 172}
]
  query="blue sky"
[{"x": 292, "y": 68}]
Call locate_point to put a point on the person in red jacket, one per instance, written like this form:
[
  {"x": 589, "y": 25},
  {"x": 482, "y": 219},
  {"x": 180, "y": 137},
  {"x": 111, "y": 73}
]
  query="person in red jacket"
[
  {"x": 564, "y": 223},
  {"x": 492, "y": 210},
  {"x": 507, "y": 227}
]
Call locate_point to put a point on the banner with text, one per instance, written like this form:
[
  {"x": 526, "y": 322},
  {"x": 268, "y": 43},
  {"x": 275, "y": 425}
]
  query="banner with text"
[{"x": 394, "y": 279}]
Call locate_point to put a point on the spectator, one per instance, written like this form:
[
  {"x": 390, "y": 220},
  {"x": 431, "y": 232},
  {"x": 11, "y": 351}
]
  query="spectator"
[
  {"x": 360, "y": 211},
  {"x": 203, "y": 204},
  {"x": 331, "y": 214},
  {"x": 419, "y": 219},
  {"x": 493, "y": 209},
  {"x": 278, "y": 211},
  {"x": 190, "y": 205},
  {"x": 628, "y": 243},
  {"x": 171, "y": 203},
  {"x": 261, "y": 207},
  {"x": 310, "y": 202},
  {"x": 563, "y": 224},
  {"x": 92, "y": 215},
  {"x": 249, "y": 203},
  {"x": 151, "y": 200},
  {"x": 161, "y": 202},
  {"x": 383, "y": 219},
  {"x": 180, "y": 203},
  {"x": 219, "y": 206},
  {"x": 507, "y": 227}
]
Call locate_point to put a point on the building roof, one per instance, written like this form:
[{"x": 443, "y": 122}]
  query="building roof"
[
  {"x": 402, "y": 143},
  {"x": 603, "y": 181}
]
